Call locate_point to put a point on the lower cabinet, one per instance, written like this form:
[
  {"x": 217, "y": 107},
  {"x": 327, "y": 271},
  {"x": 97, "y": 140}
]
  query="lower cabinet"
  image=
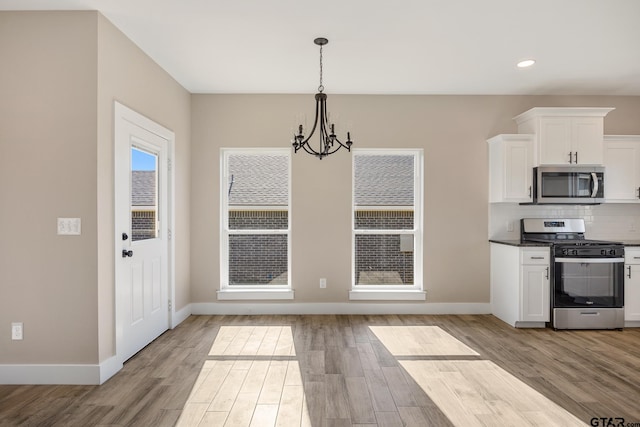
[
  {"x": 535, "y": 299},
  {"x": 632, "y": 285},
  {"x": 520, "y": 293}
]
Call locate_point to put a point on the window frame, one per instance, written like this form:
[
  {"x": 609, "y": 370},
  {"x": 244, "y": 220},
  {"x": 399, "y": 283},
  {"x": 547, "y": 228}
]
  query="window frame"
[
  {"x": 251, "y": 291},
  {"x": 390, "y": 291}
]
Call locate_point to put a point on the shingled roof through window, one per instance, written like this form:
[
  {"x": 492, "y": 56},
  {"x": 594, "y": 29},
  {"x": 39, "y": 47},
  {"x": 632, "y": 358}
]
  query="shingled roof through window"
[
  {"x": 383, "y": 180},
  {"x": 258, "y": 180},
  {"x": 143, "y": 188}
]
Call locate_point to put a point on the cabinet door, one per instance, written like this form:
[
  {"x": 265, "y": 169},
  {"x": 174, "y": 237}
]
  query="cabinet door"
[
  {"x": 518, "y": 171},
  {"x": 535, "y": 298},
  {"x": 555, "y": 141},
  {"x": 622, "y": 163},
  {"x": 586, "y": 138},
  {"x": 632, "y": 292}
]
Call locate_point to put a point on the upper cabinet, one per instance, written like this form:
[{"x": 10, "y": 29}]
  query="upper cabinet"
[
  {"x": 622, "y": 168},
  {"x": 510, "y": 168},
  {"x": 565, "y": 136}
]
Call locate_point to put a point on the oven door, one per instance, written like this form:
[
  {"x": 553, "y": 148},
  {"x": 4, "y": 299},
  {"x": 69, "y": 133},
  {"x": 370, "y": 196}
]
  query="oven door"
[{"x": 588, "y": 282}]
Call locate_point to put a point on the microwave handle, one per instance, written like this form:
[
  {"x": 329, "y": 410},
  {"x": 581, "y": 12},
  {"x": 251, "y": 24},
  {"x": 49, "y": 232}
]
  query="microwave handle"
[{"x": 596, "y": 186}]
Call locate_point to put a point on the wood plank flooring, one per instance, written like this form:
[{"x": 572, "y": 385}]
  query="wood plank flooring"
[{"x": 352, "y": 371}]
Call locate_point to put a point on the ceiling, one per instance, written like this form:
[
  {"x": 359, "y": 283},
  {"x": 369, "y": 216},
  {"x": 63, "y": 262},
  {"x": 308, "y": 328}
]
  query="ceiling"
[{"x": 582, "y": 47}]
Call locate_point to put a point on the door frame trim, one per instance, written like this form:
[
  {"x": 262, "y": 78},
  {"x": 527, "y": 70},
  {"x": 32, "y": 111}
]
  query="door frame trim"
[{"x": 123, "y": 113}]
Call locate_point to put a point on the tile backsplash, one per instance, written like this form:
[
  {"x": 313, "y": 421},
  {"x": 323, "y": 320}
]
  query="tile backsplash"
[{"x": 610, "y": 221}]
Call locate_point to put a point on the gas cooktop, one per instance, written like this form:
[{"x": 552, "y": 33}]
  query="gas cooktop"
[{"x": 566, "y": 232}]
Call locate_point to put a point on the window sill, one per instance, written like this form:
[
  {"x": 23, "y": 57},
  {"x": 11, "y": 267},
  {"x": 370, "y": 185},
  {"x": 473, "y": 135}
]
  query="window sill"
[
  {"x": 255, "y": 294},
  {"x": 387, "y": 295}
]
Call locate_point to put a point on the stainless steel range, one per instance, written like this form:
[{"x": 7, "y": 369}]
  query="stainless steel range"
[{"x": 587, "y": 281}]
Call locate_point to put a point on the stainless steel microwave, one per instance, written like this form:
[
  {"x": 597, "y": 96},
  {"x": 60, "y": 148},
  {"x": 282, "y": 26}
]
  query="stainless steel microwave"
[{"x": 580, "y": 185}]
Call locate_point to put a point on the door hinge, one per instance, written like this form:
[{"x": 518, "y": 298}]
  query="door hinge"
[
  {"x": 169, "y": 234},
  {"x": 170, "y": 305},
  {"x": 169, "y": 164}
]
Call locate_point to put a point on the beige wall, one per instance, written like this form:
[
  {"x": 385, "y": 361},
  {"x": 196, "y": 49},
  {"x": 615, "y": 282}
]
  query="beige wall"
[
  {"x": 60, "y": 73},
  {"x": 452, "y": 130},
  {"x": 47, "y": 170}
]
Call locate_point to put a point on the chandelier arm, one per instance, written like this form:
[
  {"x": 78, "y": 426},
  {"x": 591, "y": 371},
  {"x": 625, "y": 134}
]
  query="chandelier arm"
[
  {"x": 323, "y": 126},
  {"x": 315, "y": 124},
  {"x": 337, "y": 147},
  {"x": 310, "y": 150}
]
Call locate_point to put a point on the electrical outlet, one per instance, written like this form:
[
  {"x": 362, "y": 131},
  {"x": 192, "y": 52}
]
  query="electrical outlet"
[
  {"x": 323, "y": 283},
  {"x": 509, "y": 226},
  {"x": 16, "y": 331}
]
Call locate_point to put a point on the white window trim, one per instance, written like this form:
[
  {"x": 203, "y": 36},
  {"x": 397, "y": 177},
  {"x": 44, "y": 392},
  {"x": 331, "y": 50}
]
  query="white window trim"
[
  {"x": 392, "y": 292},
  {"x": 250, "y": 292}
]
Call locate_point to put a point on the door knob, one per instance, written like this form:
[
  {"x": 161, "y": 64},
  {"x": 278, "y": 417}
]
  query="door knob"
[{"x": 126, "y": 253}]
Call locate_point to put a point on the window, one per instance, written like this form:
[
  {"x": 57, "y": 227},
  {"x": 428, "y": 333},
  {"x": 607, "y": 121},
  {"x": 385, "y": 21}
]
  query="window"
[
  {"x": 144, "y": 194},
  {"x": 255, "y": 253},
  {"x": 387, "y": 224}
]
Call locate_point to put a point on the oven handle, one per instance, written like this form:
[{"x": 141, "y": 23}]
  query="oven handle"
[
  {"x": 590, "y": 260},
  {"x": 595, "y": 182}
]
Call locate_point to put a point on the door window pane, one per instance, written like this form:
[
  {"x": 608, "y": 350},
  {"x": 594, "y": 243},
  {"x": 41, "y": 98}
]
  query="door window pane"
[{"x": 144, "y": 194}]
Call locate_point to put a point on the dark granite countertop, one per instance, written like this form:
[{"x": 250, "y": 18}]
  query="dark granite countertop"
[
  {"x": 631, "y": 242},
  {"x": 520, "y": 243}
]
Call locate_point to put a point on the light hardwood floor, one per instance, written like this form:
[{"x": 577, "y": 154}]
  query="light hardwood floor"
[{"x": 352, "y": 371}]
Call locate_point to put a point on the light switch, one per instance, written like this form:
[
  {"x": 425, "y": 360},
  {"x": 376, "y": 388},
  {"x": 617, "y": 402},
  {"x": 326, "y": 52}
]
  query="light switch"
[{"x": 69, "y": 226}]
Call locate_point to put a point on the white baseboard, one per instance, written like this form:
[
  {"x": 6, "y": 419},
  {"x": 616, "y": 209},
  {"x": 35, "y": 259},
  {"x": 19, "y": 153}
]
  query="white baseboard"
[
  {"x": 109, "y": 368},
  {"x": 213, "y": 308},
  {"x": 180, "y": 315},
  {"x": 60, "y": 374}
]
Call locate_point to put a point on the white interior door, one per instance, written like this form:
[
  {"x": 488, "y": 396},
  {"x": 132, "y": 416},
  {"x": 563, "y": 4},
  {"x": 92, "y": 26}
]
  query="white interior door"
[{"x": 142, "y": 232}]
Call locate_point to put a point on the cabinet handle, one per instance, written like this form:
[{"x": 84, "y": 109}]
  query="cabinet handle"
[
  {"x": 548, "y": 273},
  {"x": 636, "y": 257},
  {"x": 638, "y": 192},
  {"x": 537, "y": 257},
  {"x": 629, "y": 275},
  {"x": 570, "y": 157},
  {"x": 576, "y": 162}
]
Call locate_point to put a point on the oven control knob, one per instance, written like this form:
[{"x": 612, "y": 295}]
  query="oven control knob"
[
  {"x": 612, "y": 252},
  {"x": 564, "y": 252},
  {"x": 574, "y": 252}
]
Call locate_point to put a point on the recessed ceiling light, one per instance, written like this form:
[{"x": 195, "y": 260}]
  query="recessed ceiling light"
[{"x": 526, "y": 63}]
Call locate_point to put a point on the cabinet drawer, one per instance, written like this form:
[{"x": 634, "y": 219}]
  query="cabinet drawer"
[
  {"x": 631, "y": 256},
  {"x": 535, "y": 257}
]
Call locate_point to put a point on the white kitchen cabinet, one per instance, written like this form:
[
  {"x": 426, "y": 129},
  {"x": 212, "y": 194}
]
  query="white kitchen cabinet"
[
  {"x": 565, "y": 136},
  {"x": 632, "y": 286},
  {"x": 510, "y": 168},
  {"x": 622, "y": 168},
  {"x": 520, "y": 292},
  {"x": 535, "y": 299}
]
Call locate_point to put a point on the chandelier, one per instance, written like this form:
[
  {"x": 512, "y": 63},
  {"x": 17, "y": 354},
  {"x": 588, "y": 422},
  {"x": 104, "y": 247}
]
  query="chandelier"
[{"x": 329, "y": 142}]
